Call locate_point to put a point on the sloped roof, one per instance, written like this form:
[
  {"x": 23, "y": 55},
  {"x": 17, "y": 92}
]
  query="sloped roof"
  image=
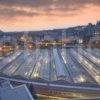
[{"x": 21, "y": 92}]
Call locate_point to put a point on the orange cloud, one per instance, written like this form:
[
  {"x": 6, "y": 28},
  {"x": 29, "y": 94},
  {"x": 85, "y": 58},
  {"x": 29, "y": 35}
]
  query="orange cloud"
[{"x": 44, "y": 14}]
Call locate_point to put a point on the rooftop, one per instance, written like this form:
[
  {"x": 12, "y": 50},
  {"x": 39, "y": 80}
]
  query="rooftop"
[{"x": 7, "y": 92}]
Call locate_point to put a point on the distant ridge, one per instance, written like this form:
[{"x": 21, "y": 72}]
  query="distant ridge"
[
  {"x": 82, "y": 30},
  {"x": 2, "y": 33}
]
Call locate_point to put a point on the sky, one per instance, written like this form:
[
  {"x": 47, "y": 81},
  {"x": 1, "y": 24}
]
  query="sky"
[{"x": 25, "y": 15}]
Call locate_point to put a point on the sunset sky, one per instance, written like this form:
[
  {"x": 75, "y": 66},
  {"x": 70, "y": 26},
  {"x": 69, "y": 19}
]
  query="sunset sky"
[{"x": 19, "y": 15}]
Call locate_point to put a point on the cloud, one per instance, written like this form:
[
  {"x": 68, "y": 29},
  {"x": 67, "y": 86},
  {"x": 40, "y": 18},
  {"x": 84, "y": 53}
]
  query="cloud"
[
  {"x": 11, "y": 12},
  {"x": 43, "y": 7},
  {"x": 47, "y": 3},
  {"x": 26, "y": 3}
]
